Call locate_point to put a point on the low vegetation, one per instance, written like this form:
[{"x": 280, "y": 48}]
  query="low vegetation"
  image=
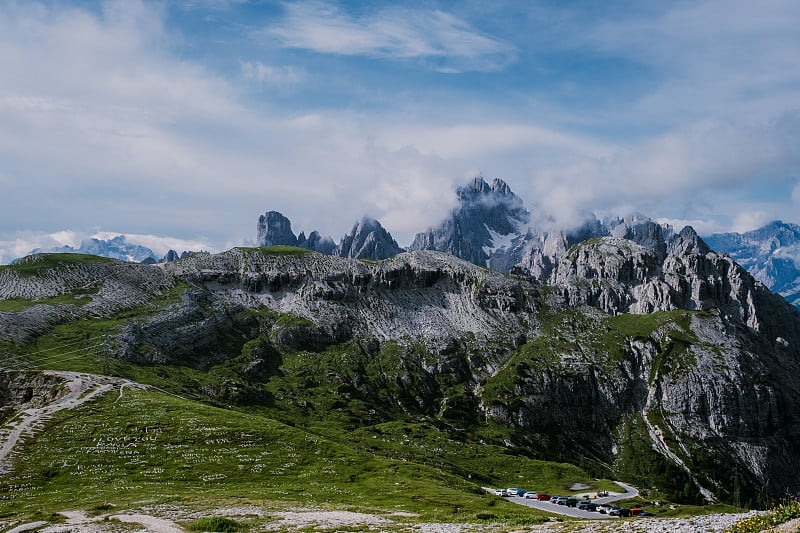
[
  {"x": 218, "y": 524},
  {"x": 785, "y": 511}
]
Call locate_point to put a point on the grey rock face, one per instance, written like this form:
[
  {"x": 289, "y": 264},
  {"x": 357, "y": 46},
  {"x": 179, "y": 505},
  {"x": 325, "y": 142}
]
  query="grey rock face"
[
  {"x": 621, "y": 276},
  {"x": 274, "y": 229},
  {"x": 487, "y": 228},
  {"x": 27, "y": 389},
  {"x": 368, "y": 240},
  {"x": 316, "y": 242},
  {"x": 172, "y": 255},
  {"x": 771, "y": 254}
]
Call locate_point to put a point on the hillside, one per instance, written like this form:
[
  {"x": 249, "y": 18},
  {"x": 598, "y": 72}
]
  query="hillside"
[{"x": 671, "y": 369}]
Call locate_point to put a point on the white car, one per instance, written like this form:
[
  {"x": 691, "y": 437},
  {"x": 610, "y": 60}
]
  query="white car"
[
  {"x": 531, "y": 495},
  {"x": 512, "y": 491}
]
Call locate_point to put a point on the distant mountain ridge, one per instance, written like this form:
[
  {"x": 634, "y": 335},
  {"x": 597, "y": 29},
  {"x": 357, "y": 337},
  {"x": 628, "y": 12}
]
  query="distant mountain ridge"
[
  {"x": 770, "y": 253},
  {"x": 115, "y": 248}
]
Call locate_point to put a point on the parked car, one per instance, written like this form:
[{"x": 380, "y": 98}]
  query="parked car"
[
  {"x": 512, "y": 491},
  {"x": 620, "y": 511},
  {"x": 587, "y": 506},
  {"x": 501, "y": 492},
  {"x": 635, "y": 511},
  {"x": 542, "y": 497},
  {"x": 559, "y": 500},
  {"x": 604, "y": 508},
  {"x": 521, "y": 492},
  {"x": 571, "y": 502},
  {"x": 532, "y": 495}
]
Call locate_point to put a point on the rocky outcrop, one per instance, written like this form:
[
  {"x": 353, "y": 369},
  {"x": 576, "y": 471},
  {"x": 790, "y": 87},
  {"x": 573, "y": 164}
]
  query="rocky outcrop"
[
  {"x": 622, "y": 276},
  {"x": 27, "y": 389},
  {"x": 368, "y": 240},
  {"x": 274, "y": 229},
  {"x": 316, "y": 242},
  {"x": 426, "y": 295}
]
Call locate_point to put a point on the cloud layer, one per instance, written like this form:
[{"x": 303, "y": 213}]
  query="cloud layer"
[
  {"x": 188, "y": 121},
  {"x": 448, "y": 42}
]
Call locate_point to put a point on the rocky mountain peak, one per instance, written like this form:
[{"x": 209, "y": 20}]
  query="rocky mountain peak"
[
  {"x": 485, "y": 228},
  {"x": 274, "y": 229},
  {"x": 688, "y": 242},
  {"x": 316, "y": 242},
  {"x": 368, "y": 240}
]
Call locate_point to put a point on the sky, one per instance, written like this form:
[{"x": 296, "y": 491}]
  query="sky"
[{"x": 181, "y": 121}]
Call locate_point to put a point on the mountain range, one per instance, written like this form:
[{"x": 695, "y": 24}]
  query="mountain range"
[
  {"x": 771, "y": 254},
  {"x": 644, "y": 355},
  {"x": 623, "y": 349},
  {"x": 490, "y": 226}
]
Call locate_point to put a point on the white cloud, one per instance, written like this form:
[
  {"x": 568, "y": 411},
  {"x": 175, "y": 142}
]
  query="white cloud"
[
  {"x": 484, "y": 140},
  {"x": 103, "y": 124},
  {"x": 750, "y": 220},
  {"x": 668, "y": 175},
  {"x": 274, "y": 76},
  {"x": 718, "y": 58},
  {"x": 701, "y": 226},
  {"x": 399, "y": 33},
  {"x": 216, "y": 5}
]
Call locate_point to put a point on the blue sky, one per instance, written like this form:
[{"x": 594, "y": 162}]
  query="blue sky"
[{"x": 186, "y": 119}]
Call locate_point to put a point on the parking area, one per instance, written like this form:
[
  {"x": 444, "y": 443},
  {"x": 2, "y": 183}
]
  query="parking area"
[{"x": 629, "y": 492}]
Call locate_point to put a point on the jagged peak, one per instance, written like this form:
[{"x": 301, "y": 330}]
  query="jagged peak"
[
  {"x": 275, "y": 229},
  {"x": 688, "y": 242},
  {"x": 368, "y": 240},
  {"x": 478, "y": 185},
  {"x": 501, "y": 186}
]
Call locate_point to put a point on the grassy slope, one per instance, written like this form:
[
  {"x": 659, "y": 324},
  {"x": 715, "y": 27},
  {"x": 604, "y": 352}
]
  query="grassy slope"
[{"x": 150, "y": 447}]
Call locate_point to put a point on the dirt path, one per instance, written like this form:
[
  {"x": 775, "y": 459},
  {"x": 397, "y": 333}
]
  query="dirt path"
[
  {"x": 80, "y": 389},
  {"x": 152, "y": 523}
]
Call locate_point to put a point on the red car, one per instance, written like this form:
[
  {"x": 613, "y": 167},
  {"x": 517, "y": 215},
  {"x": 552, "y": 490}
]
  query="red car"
[{"x": 542, "y": 496}]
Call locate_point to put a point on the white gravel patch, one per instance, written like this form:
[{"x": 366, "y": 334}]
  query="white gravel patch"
[
  {"x": 324, "y": 520},
  {"x": 716, "y": 523}
]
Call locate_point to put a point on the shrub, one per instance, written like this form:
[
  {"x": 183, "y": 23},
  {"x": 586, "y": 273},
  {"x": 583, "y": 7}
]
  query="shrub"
[{"x": 217, "y": 524}]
